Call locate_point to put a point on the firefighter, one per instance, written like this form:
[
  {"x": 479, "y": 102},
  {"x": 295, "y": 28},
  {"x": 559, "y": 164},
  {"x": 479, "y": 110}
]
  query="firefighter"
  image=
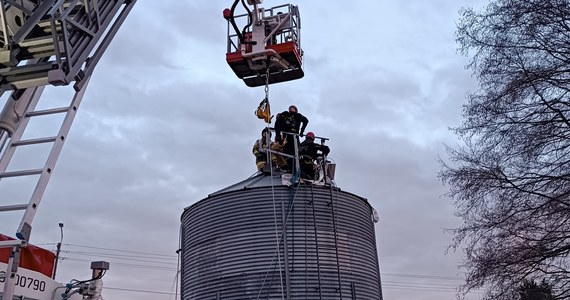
[
  {"x": 308, "y": 153},
  {"x": 260, "y": 152},
  {"x": 291, "y": 122},
  {"x": 277, "y": 158}
]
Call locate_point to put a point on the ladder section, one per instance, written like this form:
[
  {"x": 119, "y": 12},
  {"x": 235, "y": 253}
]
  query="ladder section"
[
  {"x": 322, "y": 244},
  {"x": 15, "y": 119},
  {"x": 331, "y": 204},
  {"x": 45, "y": 42},
  {"x": 65, "y": 37},
  {"x": 312, "y": 205}
]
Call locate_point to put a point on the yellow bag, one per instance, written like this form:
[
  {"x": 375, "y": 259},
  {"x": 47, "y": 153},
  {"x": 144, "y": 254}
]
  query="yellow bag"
[{"x": 264, "y": 111}]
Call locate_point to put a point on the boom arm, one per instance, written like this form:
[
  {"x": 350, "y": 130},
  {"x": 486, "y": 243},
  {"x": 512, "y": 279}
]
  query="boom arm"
[{"x": 45, "y": 42}]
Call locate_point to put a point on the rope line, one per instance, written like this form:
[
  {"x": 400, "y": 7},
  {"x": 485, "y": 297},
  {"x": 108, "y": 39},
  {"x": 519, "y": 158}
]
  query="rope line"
[
  {"x": 277, "y": 237},
  {"x": 275, "y": 255},
  {"x": 335, "y": 232},
  {"x": 316, "y": 243}
]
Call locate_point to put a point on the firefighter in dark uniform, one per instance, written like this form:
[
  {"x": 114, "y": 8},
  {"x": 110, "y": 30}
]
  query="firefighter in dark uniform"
[
  {"x": 308, "y": 153},
  {"x": 290, "y": 121}
]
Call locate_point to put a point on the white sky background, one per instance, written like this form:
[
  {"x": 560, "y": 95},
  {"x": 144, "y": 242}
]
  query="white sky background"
[{"x": 165, "y": 122}]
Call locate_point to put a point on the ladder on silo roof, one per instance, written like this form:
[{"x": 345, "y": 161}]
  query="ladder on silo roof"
[{"x": 45, "y": 42}]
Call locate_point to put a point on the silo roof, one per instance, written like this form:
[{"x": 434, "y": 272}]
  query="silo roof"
[
  {"x": 260, "y": 180},
  {"x": 257, "y": 180}
]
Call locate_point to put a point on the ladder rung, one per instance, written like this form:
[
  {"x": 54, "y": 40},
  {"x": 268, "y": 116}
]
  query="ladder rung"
[
  {"x": 21, "y": 173},
  {"x": 12, "y": 243},
  {"x": 35, "y": 141},
  {"x": 37, "y": 41},
  {"x": 47, "y": 112},
  {"x": 13, "y": 207},
  {"x": 26, "y": 70}
]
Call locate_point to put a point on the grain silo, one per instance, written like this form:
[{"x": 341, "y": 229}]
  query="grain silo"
[{"x": 234, "y": 244}]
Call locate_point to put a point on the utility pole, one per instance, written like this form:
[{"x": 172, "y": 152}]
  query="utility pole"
[{"x": 58, "y": 251}]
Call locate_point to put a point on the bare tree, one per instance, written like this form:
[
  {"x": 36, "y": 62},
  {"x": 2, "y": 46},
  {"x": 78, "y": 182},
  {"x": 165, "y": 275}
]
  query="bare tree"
[{"x": 511, "y": 179}]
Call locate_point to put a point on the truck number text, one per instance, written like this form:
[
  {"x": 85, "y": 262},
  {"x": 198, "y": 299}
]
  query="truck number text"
[{"x": 26, "y": 282}]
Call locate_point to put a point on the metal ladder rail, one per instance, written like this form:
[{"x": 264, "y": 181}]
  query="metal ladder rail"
[
  {"x": 31, "y": 96},
  {"x": 109, "y": 17},
  {"x": 335, "y": 232},
  {"x": 76, "y": 34},
  {"x": 24, "y": 229},
  {"x": 286, "y": 214},
  {"x": 34, "y": 20},
  {"x": 316, "y": 243},
  {"x": 291, "y": 216},
  {"x": 285, "y": 244},
  {"x": 3, "y": 26},
  {"x": 305, "y": 226}
]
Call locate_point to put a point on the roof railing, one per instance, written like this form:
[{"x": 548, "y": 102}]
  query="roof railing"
[{"x": 326, "y": 167}]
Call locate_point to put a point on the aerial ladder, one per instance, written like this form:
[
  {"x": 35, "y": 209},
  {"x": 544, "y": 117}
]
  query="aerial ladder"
[{"x": 43, "y": 43}]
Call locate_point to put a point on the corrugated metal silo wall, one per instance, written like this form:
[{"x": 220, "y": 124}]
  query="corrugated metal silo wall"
[{"x": 229, "y": 246}]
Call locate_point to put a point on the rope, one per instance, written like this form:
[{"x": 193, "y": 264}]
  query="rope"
[
  {"x": 316, "y": 242},
  {"x": 279, "y": 243},
  {"x": 306, "y": 222},
  {"x": 335, "y": 231},
  {"x": 277, "y": 237}
]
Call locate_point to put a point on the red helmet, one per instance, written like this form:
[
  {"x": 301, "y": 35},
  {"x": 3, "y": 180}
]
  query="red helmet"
[{"x": 310, "y": 135}]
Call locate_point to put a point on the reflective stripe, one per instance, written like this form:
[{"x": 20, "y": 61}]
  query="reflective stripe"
[{"x": 260, "y": 146}]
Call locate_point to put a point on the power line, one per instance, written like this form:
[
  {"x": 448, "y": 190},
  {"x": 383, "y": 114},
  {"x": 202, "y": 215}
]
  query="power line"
[
  {"x": 164, "y": 266},
  {"x": 394, "y": 287},
  {"x": 411, "y": 288},
  {"x": 122, "y": 257},
  {"x": 136, "y": 266},
  {"x": 421, "y": 284},
  {"x": 139, "y": 291},
  {"x": 421, "y": 276},
  {"x": 174, "y": 257},
  {"x": 120, "y": 250}
]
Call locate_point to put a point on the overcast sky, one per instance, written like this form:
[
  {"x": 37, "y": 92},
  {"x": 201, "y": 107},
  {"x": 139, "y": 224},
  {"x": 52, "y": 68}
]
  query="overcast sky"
[{"x": 165, "y": 122}]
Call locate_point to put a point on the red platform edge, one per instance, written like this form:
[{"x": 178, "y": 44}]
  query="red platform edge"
[
  {"x": 279, "y": 48},
  {"x": 32, "y": 257}
]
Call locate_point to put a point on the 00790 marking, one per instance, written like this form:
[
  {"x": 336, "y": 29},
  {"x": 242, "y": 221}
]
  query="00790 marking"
[{"x": 26, "y": 282}]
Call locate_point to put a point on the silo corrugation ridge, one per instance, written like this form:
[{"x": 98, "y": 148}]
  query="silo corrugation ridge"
[{"x": 229, "y": 244}]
